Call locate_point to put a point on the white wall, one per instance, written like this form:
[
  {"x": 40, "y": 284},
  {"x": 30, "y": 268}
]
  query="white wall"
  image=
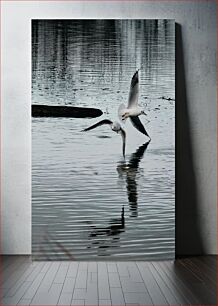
[{"x": 198, "y": 41}]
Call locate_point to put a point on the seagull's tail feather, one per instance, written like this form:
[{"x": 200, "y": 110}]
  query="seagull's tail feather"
[{"x": 121, "y": 112}]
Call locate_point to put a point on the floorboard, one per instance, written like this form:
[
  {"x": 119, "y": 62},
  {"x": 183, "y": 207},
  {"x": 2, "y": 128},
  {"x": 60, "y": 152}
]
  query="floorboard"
[{"x": 186, "y": 281}]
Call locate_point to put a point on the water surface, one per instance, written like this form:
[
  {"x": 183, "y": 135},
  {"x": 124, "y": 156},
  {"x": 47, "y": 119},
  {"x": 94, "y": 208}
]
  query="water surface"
[{"x": 87, "y": 203}]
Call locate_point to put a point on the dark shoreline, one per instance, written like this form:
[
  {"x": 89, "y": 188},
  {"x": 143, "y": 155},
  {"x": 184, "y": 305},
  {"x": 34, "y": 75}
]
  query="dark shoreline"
[{"x": 65, "y": 111}]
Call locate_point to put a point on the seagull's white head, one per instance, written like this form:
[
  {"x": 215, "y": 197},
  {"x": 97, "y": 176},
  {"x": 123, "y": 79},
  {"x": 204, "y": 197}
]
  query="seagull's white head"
[{"x": 115, "y": 126}]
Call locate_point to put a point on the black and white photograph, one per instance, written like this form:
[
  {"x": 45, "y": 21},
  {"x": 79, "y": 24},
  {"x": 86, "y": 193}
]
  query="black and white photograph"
[{"x": 103, "y": 139}]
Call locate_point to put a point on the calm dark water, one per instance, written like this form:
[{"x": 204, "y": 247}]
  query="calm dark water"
[{"x": 87, "y": 203}]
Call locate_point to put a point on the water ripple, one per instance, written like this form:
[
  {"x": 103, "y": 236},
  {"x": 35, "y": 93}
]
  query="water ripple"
[{"x": 86, "y": 202}]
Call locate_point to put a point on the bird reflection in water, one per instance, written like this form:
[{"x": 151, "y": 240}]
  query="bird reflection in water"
[
  {"x": 129, "y": 172},
  {"x": 103, "y": 237}
]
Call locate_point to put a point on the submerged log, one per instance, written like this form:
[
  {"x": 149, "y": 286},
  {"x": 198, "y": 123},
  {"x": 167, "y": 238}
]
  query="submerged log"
[{"x": 65, "y": 111}]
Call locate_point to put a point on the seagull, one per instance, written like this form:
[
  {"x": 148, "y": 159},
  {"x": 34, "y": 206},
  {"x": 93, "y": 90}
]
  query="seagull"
[
  {"x": 115, "y": 126},
  {"x": 132, "y": 110}
]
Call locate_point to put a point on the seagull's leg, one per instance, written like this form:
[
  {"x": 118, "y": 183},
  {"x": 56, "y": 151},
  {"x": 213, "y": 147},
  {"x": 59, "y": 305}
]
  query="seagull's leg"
[{"x": 125, "y": 116}]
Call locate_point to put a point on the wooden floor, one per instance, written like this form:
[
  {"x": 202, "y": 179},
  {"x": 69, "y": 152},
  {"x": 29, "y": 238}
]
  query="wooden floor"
[{"x": 188, "y": 281}]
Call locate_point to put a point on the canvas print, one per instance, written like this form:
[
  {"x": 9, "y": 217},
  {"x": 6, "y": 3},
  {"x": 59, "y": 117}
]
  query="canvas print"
[{"x": 103, "y": 139}]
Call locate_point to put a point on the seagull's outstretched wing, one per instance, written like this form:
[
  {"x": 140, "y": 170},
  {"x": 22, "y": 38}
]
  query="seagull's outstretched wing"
[
  {"x": 134, "y": 91},
  {"x": 102, "y": 122},
  {"x": 138, "y": 125},
  {"x": 123, "y": 135},
  {"x": 108, "y": 122}
]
